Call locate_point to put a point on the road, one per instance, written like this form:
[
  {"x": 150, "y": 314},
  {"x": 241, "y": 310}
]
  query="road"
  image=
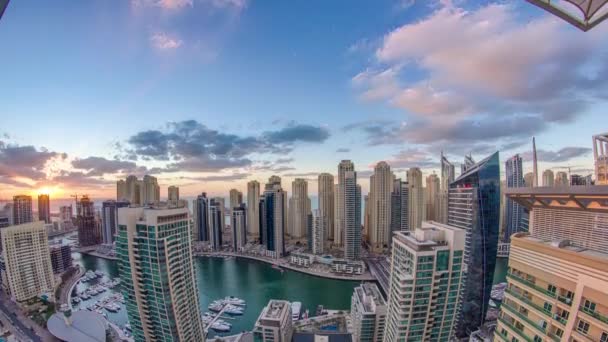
[{"x": 23, "y": 322}]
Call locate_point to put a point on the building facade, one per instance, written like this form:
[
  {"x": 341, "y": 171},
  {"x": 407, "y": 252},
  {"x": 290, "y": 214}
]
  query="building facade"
[
  {"x": 173, "y": 195},
  {"x": 44, "y": 208},
  {"x": 216, "y": 224},
  {"x": 447, "y": 177},
  {"x": 561, "y": 179},
  {"x": 22, "y": 209},
  {"x": 61, "y": 258},
  {"x": 339, "y": 225},
  {"x": 514, "y": 212},
  {"x": 416, "y": 198},
  {"x": 109, "y": 219},
  {"x": 236, "y": 198},
  {"x": 155, "y": 263},
  {"x": 253, "y": 209},
  {"x": 368, "y": 313},
  {"x": 201, "y": 215},
  {"x": 274, "y": 323},
  {"x": 548, "y": 178},
  {"x": 239, "y": 227},
  {"x": 319, "y": 229},
  {"x": 380, "y": 195},
  {"x": 299, "y": 208},
  {"x": 89, "y": 233},
  {"x": 326, "y": 202},
  {"x": 600, "y": 156},
  {"x": 352, "y": 216},
  {"x": 273, "y": 220},
  {"x": 425, "y": 283},
  {"x": 432, "y": 191}
]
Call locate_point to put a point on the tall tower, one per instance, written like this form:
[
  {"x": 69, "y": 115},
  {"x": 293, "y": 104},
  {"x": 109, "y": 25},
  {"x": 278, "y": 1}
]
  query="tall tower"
[
  {"x": 433, "y": 255},
  {"x": 432, "y": 197},
  {"x": 159, "y": 288},
  {"x": 326, "y": 203},
  {"x": 535, "y": 165},
  {"x": 239, "y": 227},
  {"x": 236, "y": 198},
  {"x": 343, "y": 167},
  {"x": 121, "y": 190},
  {"x": 416, "y": 197},
  {"x": 381, "y": 186},
  {"x": 474, "y": 206},
  {"x": 514, "y": 213},
  {"x": 399, "y": 207},
  {"x": 216, "y": 223},
  {"x": 273, "y": 220},
  {"x": 133, "y": 190},
  {"x": 88, "y": 232},
  {"x": 548, "y": 178},
  {"x": 447, "y": 177},
  {"x": 352, "y": 216},
  {"x": 299, "y": 208},
  {"x": 44, "y": 208},
  {"x": 600, "y": 155},
  {"x": 109, "y": 219},
  {"x": 151, "y": 190},
  {"x": 173, "y": 194},
  {"x": 253, "y": 209},
  {"x": 201, "y": 213},
  {"x": 319, "y": 228},
  {"x": 22, "y": 209},
  {"x": 561, "y": 179}
]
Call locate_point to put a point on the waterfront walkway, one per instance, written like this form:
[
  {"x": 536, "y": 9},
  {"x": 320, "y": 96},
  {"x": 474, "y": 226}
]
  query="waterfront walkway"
[
  {"x": 67, "y": 286},
  {"x": 284, "y": 263}
]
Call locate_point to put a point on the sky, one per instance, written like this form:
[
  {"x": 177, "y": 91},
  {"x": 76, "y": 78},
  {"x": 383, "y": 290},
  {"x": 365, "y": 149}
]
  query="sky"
[{"x": 209, "y": 94}]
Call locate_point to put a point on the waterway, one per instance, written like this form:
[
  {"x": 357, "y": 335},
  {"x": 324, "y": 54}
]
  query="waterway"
[{"x": 253, "y": 281}]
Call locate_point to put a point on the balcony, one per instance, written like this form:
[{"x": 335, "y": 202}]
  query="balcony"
[
  {"x": 524, "y": 317},
  {"x": 594, "y": 314},
  {"x": 531, "y": 285},
  {"x": 520, "y": 333},
  {"x": 565, "y": 300},
  {"x": 502, "y": 337},
  {"x": 529, "y": 302}
]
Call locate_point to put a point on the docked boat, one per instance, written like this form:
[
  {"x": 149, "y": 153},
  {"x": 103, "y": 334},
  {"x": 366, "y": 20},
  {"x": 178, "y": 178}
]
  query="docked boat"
[
  {"x": 233, "y": 310},
  {"x": 112, "y": 307},
  {"x": 234, "y": 301},
  {"x": 220, "y": 326},
  {"x": 215, "y": 307},
  {"x": 296, "y": 309}
]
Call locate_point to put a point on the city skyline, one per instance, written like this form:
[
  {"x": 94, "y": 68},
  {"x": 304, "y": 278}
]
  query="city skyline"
[{"x": 378, "y": 100}]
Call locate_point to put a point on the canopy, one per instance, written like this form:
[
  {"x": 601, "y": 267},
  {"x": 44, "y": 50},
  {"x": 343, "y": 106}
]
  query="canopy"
[{"x": 591, "y": 12}]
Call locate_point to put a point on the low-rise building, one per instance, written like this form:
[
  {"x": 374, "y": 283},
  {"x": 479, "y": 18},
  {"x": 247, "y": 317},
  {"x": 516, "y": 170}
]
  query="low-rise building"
[
  {"x": 274, "y": 323},
  {"x": 348, "y": 266},
  {"x": 301, "y": 259}
]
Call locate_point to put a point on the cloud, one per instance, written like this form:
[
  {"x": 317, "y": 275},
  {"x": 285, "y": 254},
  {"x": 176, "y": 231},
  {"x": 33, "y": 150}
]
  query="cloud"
[
  {"x": 97, "y": 166},
  {"x": 25, "y": 161},
  {"x": 228, "y": 4},
  {"x": 163, "y": 41},
  {"x": 78, "y": 179},
  {"x": 413, "y": 158},
  {"x": 343, "y": 150},
  {"x": 458, "y": 77},
  {"x": 302, "y": 174},
  {"x": 219, "y": 178},
  {"x": 192, "y": 146},
  {"x": 561, "y": 155}
]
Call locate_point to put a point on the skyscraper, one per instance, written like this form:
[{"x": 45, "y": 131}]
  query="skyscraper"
[
  {"x": 319, "y": 228},
  {"x": 561, "y": 179},
  {"x": 236, "y": 198},
  {"x": 88, "y": 232},
  {"x": 201, "y": 213},
  {"x": 173, "y": 195},
  {"x": 368, "y": 313},
  {"x": 216, "y": 223},
  {"x": 548, "y": 178},
  {"x": 61, "y": 258},
  {"x": 514, "y": 212},
  {"x": 578, "y": 180},
  {"x": 425, "y": 283},
  {"x": 557, "y": 280},
  {"x": 66, "y": 213},
  {"x": 474, "y": 206},
  {"x": 467, "y": 164},
  {"x": 352, "y": 216},
  {"x": 399, "y": 207},
  {"x": 132, "y": 187},
  {"x": 221, "y": 204},
  {"x": 239, "y": 227},
  {"x": 299, "y": 208},
  {"x": 416, "y": 197},
  {"x": 432, "y": 191},
  {"x": 275, "y": 323},
  {"x": 28, "y": 272},
  {"x": 121, "y": 190},
  {"x": 529, "y": 179},
  {"x": 326, "y": 202},
  {"x": 273, "y": 182},
  {"x": 253, "y": 209},
  {"x": 151, "y": 190},
  {"x": 381, "y": 188},
  {"x": 273, "y": 220},
  {"x": 343, "y": 167},
  {"x": 109, "y": 216},
  {"x": 159, "y": 288},
  {"x": 600, "y": 156},
  {"x": 447, "y": 177},
  {"x": 22, "y": 209},
  {"x": 44, "y": 208}
]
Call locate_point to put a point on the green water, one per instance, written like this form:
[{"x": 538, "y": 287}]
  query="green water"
[
  {"x": 255, "y": 282},
  {"x": 500, "y": 272}
]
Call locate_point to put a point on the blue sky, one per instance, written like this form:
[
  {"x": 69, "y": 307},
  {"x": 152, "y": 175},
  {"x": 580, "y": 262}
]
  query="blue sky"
[{"x": 281, "y": 86}]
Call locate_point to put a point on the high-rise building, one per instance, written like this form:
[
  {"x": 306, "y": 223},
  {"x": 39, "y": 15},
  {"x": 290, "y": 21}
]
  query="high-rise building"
[
  {"x": 367, "y": 215},
  {"x": 326, "y": 202},
  {"x": 561, "y": 179},
  {"x": 253, "y": 209},
  {"x": 273, "y": 220},
  {"x": 109, "y": 219},
  {"x": 514, "y": 212},
  {"x": 600, "y": 155},
  {"x": 61, "y": 258},
  {"x": 474, "y": 206},
  {"x": 236, "y": 198},
  {"x": 22, "y": 209},
  {"x": 548, "y": 178},
  {"x": 44, "y": 208},
  {"x": 416, "y": 198},
  {"x": 343, "y": 167},
  {"x": 319, "y": 229},
  {"x": 352, "y": 216},
  {"x": 201, "y": 214},
  {"x": 273, "y": 182},
  {"x": 529, "y": 179},
  {"x": 66, "y": 213},
  {"x": 133, "y": 190},
  {"x": 275, "y": 323},
  {"x": 427, "y": 267},
  {"x": 557, "y": 280},
  {"x": 432, "y": 191},
  {"x": 447, "y": 177},
  {"x": 399, "y": 207},
  {"x": 88, "y": 232},
  {"x": 578, "y": 180},
  {"x": 151, "y": 190},
  {"x": 467, "y": 164},
  {"x": 381, "y": 188},
  {"x": 159, "y": 288},
  {"x": 239, "y": 227},
  {"x": 121, "y": 190},
  {"x": 216, "y": 223},
  {"x": 173, "y": 195},
  {"x": 27, "y": 271},
  {"x": 368, "y": 313},
  {"x": 299, "y": 208},
  {"x": 8, "y": 213}
]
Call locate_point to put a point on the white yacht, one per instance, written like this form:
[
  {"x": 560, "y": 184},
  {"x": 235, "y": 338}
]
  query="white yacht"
[
  {"x": 296, "y": 308},
  {"x": 234, "y": 301}
]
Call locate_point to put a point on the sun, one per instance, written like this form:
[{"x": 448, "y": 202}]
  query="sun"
[{"x": 47, "y": 190}]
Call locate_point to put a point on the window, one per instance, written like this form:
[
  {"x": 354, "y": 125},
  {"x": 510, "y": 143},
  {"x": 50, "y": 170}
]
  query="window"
[
  {"x": 582, "y": 327},
  {"x": 589, "y": 305},
  {"x": 551, "y": 288},
  {"x": 604, "y": 337},
  {"x": 443, "y": 260},
  {"x": 548, "y": 307},
  {"x": 559, "y": 332},
  {"x": 513, "y": 339},
  {"x": 537, "y": 338}
]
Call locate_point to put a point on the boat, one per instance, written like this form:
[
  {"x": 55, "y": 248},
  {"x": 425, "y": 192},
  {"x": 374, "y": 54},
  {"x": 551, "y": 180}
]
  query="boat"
[
  {"x": 296, "y": 308},
  {"x": 234, "y": 301},
  {"x": 233, "y": 309},
  {"x": 215, "y": 307},
  {"x": 220, "y": 327},
  {"x": 112, "y": 307}
]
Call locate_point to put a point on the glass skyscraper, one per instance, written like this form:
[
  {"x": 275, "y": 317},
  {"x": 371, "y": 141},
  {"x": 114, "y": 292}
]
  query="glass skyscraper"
[
  {"x": 515, "y": 212},
  {"x": 474, "y": 205}
]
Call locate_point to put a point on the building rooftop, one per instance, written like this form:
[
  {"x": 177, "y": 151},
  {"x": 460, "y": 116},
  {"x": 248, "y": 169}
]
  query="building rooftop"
[
  {"x": 565, "y": 246},
  {"x": 86, "y": 326},
  {"x": 370, "y": 296},
  {"x": 321, "y": 337},
  {"x": 588, "y": 198},
  {"x": 275, "y": 309}
]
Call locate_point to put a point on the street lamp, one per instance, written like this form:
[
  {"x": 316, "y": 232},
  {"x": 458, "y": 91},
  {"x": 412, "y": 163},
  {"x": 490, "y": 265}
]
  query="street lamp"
[{"x": 590, "y": 12}]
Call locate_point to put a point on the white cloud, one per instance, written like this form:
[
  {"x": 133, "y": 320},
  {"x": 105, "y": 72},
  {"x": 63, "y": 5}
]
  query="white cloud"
[
  {"x": 163, "y": 41},
  {"x": 164, "y": 4}
]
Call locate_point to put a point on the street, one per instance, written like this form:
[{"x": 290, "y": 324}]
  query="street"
[{"x": 23, "y": 323}]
